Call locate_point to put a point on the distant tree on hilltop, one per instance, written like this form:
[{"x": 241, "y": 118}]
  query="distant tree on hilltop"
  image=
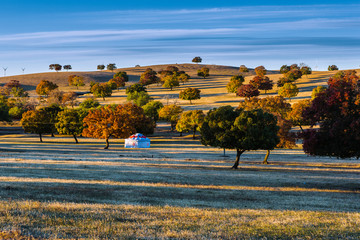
[
  {"x": 101, "y": 67},
  {"x": 56, "y": 67},
  {"x": 197, "y": 60}
]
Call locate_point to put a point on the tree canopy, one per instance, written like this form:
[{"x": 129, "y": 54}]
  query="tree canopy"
[
  {"x": 70, "y": 122},
  {"x": 152, "y": 108},
  {"x": 118, "y": 121},
  {"x": 171, "y": 81},
  {"x": 100, "y": 67},
  {"x": 101, "y": 90},
  {"x": 197, "y": 60},
  {"x": 171, "y": 113},
  {"x": 260, "y": 71},
  {"x": 204, "y": 72},
  {"x": 45, "y": 87},
  {"x": 190, "y": 94},
  {"x": 235, "y": 82},
  {"x": 56, "y": 67},
  {"x": 149, "y": 77},
  {"x": 337, "y": 113},
  {"x": 289, "y": 90},
  {"x": 190, "y": 121},
  {"x": 241, "y": 130},
  {"x": 75, "y": 80},
  {"x": 111, "y": 66},
  {"x": 247, "y": 91}
]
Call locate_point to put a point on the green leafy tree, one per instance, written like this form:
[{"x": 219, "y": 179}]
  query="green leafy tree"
[
  {"x": 111, "y": 67},
  {"x": 184, "y": 78},
  {"x": 293, "y": 74},
  {"x": 67, "y": 67},
  {"x": 152, "y": 108},
  {"x": 333, "y": 68},
  {"x": 289, "y": 90},
  {"x": 70, "y": 122},
  {"x": 4, "y": 109},
  {"x": 171, "y": 81},
  {"x": 139, "y": 98},
  {"x": 171, "y": 113},
  {"x": 101, "y": 90},
  {"x": 306, "y": 70},
  {"x": 241, "y": 130},
  {"x": 100, "y": 67},
  {"x": 75, "y": 80},
  {"x": 284, "y": 69},
  {"x": 234, "y": 83},
  {"x": 317, "y": 90},
  {"x": 190, "y": 94},
  {"x": 89, "y": 103},
  {"x": 190, "y": 121},
  {"x": 45, "y": 87},
  {"x": 51, "y": 113},
  {"x": 197, "y": 60},
  {"x": 280, "y": 108},
  {"x": 243, "y": 69},
  {"x": 204, "y": 72},
  {"x": 136, "y": 87},
  {"x": 18, "y": 92},
  {"x": 56, "y": 67},
  {"x": 37, "y": 122}
]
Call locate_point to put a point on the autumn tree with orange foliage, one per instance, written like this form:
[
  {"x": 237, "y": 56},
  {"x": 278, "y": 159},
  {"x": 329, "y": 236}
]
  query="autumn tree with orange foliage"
[
  {"x": 118, "y": 121},
  {"x": 45, "y": 87}
]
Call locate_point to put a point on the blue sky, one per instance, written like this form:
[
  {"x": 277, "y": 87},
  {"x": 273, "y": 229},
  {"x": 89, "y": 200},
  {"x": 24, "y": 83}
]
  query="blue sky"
[{"x": 84, "y": 34}]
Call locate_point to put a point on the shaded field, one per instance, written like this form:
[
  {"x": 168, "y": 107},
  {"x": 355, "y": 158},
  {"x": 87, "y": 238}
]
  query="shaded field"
[{"x": 176, "y": 189}]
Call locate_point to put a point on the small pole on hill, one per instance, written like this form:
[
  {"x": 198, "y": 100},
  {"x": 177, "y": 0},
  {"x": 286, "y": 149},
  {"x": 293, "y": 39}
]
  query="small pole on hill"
[{"x": 5, "y": 68}]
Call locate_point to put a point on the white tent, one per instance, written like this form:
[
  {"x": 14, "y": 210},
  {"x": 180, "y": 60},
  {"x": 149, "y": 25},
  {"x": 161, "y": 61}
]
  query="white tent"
[{"x": 137, "y": 141}]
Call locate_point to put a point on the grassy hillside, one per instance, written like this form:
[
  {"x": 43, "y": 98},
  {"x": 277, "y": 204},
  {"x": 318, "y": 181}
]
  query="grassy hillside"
[{"x": 213, "y": 88}]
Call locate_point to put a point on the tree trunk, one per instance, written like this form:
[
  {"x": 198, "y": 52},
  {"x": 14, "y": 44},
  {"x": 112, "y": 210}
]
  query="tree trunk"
[
  {"x": 180, "y": 134},
  {"x": 238, "y": 154},
  {"x": 194, "y": 132},
  {"x": 302, "y": 130},
  {"x": 266, "y": 157},
  {"x": 104, "y": 98},
  {"x": 52, "y": 134},
  {"x": 40, "y": 137},
  {"x": 107, "y": 143},
  {"x": 76, "y": 141},
  {"x": 190, "y": 102}
]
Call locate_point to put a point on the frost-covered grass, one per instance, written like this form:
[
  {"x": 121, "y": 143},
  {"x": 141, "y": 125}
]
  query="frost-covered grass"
[{"x": 176, "y": 189}]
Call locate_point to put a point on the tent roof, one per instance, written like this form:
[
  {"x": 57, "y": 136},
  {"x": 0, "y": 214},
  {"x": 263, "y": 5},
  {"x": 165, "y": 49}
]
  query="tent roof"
[{"x": 139, "y": 137}]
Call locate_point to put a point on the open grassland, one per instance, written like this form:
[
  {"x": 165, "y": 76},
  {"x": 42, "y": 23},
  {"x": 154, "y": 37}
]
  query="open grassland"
[
  {"x": 213, "y": 88},
  {"x": 176, "y": 189}
]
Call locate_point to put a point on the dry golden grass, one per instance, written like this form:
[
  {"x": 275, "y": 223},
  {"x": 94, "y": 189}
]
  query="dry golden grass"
[
  {"x": 213, "y": 89},
  {"x": 103, "y": 221}
]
